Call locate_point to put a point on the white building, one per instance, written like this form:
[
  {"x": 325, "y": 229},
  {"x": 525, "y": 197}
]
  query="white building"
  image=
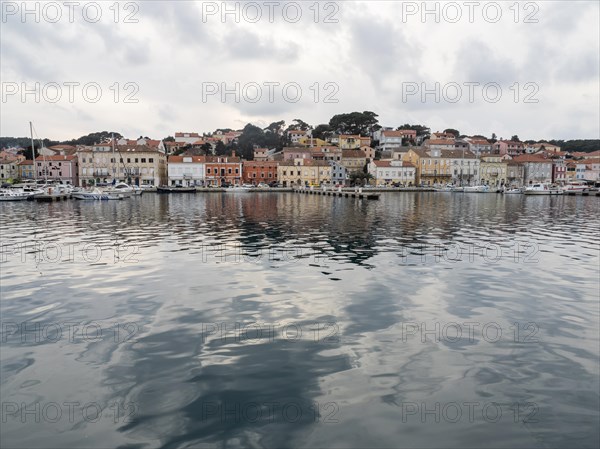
[
  {"x": 186, "y": 170},
  {"x": 392, "y": 172}
]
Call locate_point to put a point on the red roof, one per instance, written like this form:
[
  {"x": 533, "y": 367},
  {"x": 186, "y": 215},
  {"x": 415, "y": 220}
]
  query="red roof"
[{"x": 56, "y": 158}]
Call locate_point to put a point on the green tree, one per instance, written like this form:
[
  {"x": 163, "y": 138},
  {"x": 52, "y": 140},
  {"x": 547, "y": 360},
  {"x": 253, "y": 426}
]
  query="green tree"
[
  {"x": 220, "y": 149},
  {"x": 206, "y": 148},
  {"x": 251, "y": 136},
  {"x": 515, "y": 138},
  {"x": 322, "y": 131},
  {"x": 362, "y": 123}
]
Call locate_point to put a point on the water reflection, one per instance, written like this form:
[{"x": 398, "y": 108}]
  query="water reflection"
[{"x": 280, "y": 320}]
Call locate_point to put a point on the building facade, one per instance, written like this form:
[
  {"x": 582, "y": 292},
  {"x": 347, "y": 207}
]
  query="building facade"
[
  {"x": 255, "y": 172},
  {"x": 186, "y": 171},
  {"x": 392, "y": 172}
]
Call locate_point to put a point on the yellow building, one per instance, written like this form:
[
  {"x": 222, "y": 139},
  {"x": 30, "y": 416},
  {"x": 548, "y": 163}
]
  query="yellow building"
[
  {"x": 494, "y": 170},
  {"x": 437, "y": 166},
  {"x": 308, "y": 142},
  {"x": 353, "y": 160},
  {"x": 353, "y": 142},
  {"x": 134, "y": 164},
  {"x": 304, "y": 172}
]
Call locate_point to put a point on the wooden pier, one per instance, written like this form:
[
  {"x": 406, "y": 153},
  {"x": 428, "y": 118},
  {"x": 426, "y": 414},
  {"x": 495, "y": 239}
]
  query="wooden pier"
[{"x": 339, "y": 193}]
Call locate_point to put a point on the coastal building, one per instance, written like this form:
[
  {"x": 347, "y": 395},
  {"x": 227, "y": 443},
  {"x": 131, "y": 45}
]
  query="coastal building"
[
  {"x": 133, "y": 164},
  {"x": 293, "y": 153},
  {"x": 338, "y": 173},
  {"x": 295, "y": 135},
  {"x": 304, "y": 172},
  {"x": 58, "y": 168},
  {"x": 263, "y": 154},
  {"x": 369, "y": 152},
  {"x": 536, "y": 169},
  {"x": 559, "y": 170},
  {"x": 353, "y": 160},
  {"x": 390, "y": 140},
  {"x": 187, "y": 137},
  {"x": 308, "y": 141},
  {"x": 353, "y": 141},
  {"x": 223, "y": 171},
  {"x": 440, "y": 144},
  {"x": 437, "y": 166},
  {"x": 503, "y": 147},
  {"x": 26, "y": 169},
  {"x": 255, "y": 172},
  {"x": 592, "y": 169},
  {"x": 393, "y": 172},
  {"x": 514, "y": 174},
  {"x": 494, "y": 171},
  {"x": 9, "y": 169},
  {"x": 186, "y": 171},
  {"x": 478, "y": 146}
]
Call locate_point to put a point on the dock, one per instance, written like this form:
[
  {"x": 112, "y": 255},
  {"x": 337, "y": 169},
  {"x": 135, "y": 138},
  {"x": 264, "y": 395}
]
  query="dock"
[
  {"x": 584, "y": 193},
  {"x": 340, "y": 193}
]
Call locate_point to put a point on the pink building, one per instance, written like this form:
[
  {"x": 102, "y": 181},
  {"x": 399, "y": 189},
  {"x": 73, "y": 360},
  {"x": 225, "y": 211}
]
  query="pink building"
[
  {"x": 509, "y": 147},
  {"x": 58, "y": 168}
]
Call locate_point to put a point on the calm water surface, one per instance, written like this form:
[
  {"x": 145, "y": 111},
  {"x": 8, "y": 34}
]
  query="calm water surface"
[{"x": 277, "y": 320}]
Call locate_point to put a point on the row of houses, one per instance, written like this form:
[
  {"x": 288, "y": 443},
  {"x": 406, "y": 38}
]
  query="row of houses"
[{"x": 441, "y": 159}]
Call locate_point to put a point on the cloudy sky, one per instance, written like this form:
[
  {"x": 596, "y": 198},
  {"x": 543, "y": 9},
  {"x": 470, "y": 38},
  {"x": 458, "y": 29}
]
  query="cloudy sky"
[{"x": 154, "y": 68}]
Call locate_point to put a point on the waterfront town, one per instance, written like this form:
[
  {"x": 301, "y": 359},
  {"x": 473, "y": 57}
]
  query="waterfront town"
[{"x": 386, "y": 157}]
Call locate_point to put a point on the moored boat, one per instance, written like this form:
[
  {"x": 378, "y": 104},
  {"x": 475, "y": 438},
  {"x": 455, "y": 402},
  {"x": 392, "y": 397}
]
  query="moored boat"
[
  {"x": 576, "y": 186},
  {"x": 476, "y": 189},
  {"x": 513, "y": 191},
  {"x": 98, "y": 195},
  {"x": 238, "y": 189},
  {"x": 175, "y": 189},
  {"x": 542, "y": 189},
  {"x": 13, "y": 195}
]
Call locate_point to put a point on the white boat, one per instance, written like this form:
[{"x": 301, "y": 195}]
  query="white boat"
[
  {"x": 446, "y": 188},
  {"x": 97, "y": 195},
  {"x": 576, "y": 186},
  {"x": 513, "y": 192},
  {"x": 121, "y": 188},
  {"x": 13, "y": 195},
  {"x": 477, "y": 189},
  {"x": 542, "y": 189},
  {"x": 238, "y": 189}
]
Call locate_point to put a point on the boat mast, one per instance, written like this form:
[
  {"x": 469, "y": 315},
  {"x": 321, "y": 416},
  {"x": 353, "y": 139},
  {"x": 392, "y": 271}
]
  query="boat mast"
[
  {"x": 33, "y": 153},
  {"x": 112, "y": 135}
]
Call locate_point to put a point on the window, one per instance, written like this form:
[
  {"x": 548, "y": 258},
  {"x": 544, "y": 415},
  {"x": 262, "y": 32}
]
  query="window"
[
  {"x": 237, "y": 170},
  {"x": 129, "y": 160},
  {"x": 229, "y": 171},
  {"x": 208, "y": 170},
  {"x": 151, "y": 160},
  {"x": 112, "y": 160},
  {"x": 136, "y": 160},
  {"x": 254, "y": 175},
  {"x": 143, "y": 160}
]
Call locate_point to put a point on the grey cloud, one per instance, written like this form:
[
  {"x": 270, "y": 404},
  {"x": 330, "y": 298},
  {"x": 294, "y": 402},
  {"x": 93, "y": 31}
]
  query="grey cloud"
[{"x": 477, "y": 62}]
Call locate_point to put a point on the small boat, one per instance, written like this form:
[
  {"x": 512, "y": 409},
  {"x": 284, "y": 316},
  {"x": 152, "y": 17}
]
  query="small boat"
[
  {"x": 13, "y": 195},
  {"x": 446, "y": 188},
  {"x": 576, "y": 186},
  {"x": 542, "y": 189},
  {"x": 512, "y": 192},
  {"x": 238, "y": 189},
  {"x": 476, "y": 189},
  {"x": 98, "y": 195},
  {"x": 175, "y": 189},
  {"x": 121, "y": 188}
]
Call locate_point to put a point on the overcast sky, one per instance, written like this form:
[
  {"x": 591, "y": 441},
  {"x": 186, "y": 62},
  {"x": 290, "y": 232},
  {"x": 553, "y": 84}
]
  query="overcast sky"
[{"x": 377, "y": 56}]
